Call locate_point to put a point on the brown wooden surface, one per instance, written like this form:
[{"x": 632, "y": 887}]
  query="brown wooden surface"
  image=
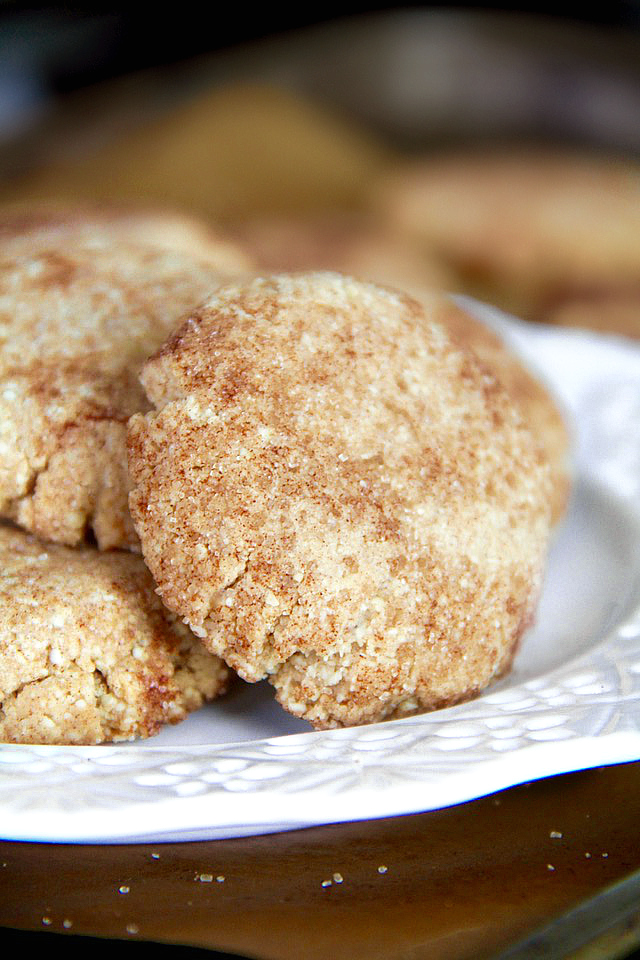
[{"x": 460, "y": 882}]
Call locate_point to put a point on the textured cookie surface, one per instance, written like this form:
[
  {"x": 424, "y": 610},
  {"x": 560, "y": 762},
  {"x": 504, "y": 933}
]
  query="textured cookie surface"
[
  {"x": 335, "y": 496},
  {"x": 361, "y": 247},
  {"x": 532, "y": 398},
  {"x": 88, "y": 654},
  {"x": 78, "y": 316}
]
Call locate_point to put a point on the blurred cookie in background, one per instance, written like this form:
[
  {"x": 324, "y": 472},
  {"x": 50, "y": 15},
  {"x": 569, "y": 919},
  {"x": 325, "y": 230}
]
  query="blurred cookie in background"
[
  {"x": 526, "y": 230},
  {"x": 617, "y": 312},
  {"x": 232, "y": 151},
  {"x": 347, "y": 242}
]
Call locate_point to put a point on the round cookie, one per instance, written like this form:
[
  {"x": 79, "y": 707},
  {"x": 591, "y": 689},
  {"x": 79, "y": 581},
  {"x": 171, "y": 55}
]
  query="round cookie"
[
  {"x": 335, "y": 496},
  {"x": 79, "y": 313},
  {"x": 525, "y": 229},
  {"x": 88, "y": 653}
]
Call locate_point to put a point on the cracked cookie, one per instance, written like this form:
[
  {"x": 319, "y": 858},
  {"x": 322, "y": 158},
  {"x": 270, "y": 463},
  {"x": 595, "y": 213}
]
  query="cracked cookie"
[
  {"x": 80, "y": 310},
  {"x": 88, "y": 653},
  {"x": 335, "y": 496}
]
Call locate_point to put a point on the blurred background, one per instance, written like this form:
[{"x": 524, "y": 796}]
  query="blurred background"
[
  {"x": 76, "y": 43},
  {"x": 236, "y": 114},
  {"x": 51, "y": 50},
  {"x": 73, "y": 44}
]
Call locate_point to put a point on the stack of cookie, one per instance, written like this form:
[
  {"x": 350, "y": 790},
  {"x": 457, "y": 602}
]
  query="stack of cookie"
[
  {"x": 302, "y": 476},
  {"x": 88, "y": 653}
]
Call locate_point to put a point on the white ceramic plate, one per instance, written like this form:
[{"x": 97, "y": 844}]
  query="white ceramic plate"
[{"x": 242, "y": 766}]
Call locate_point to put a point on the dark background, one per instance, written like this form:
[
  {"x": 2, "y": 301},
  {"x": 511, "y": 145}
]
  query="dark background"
[{"x": 75, "y": 44}]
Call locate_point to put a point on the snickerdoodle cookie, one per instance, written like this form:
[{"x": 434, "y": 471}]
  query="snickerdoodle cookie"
[
  {"x": 337, "y": 497},
  {"x": 88, "y": 653},
  {"x": 79, "y": 313}
]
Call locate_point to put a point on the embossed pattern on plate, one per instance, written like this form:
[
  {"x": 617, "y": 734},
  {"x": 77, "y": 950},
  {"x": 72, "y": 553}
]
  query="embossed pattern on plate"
[{"x": 571, "y": 702}]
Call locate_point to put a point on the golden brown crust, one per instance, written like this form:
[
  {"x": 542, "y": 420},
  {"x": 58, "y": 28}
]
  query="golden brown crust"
[
  {"x": 336, "y": 497},
  {"x": 88, "y": 654},
  {"x": 80, "y": 310},
  {"x": 362, "y": 247},
  {"x": 534, "y": 401}
]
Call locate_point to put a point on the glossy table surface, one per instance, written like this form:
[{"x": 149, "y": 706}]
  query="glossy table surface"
[{"x": 461, "y": 882}]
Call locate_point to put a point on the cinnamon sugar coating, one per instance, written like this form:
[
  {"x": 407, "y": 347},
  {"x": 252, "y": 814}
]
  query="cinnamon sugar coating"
[
  {"x": 534, "y": 401},
  {"x": 88, "y": 653},
  {"x": 81, "y": 308},
  {"x": 362, "y": 247},
  {"x": 337, "y": 497}
]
